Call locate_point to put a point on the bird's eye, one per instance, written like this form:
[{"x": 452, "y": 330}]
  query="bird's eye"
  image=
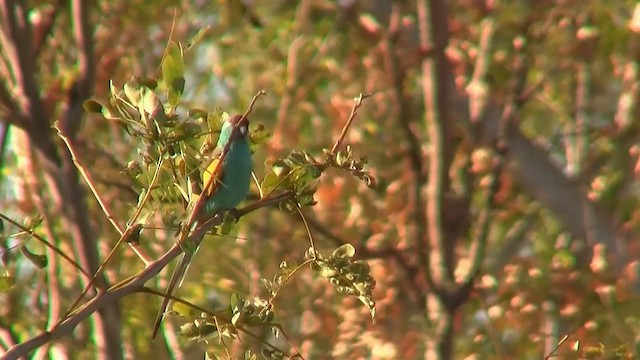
[{"x": 243, "y": 129}]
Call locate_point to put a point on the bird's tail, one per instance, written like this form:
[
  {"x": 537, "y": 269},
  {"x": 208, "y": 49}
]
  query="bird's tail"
[{"x": 177, "y": 278}]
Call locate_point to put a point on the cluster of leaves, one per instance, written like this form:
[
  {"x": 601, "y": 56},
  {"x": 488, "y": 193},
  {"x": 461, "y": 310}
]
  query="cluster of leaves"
[
  {"x": 348, "y": 276},
  {"x": 347, "y": 161},
  {"x": 299, "y": 172},
  {"x": 240, "y": 315},
  {"x": 174, "y": 144}
]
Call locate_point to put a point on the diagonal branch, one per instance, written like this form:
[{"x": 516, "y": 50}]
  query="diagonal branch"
[{"x": 130, "y": 286}]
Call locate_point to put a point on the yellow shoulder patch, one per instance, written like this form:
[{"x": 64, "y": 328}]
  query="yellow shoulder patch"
[{"x": 209, "y": 189}]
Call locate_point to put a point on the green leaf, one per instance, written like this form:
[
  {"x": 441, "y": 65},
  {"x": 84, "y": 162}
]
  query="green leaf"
[
  {"x": 235, "y": 302},
  {"x": 197, "y": 113},
  {"x": 33, "y": 222},
  {"x": 174, "y": 92},
  {"x": 134, "y": 92},
  {"x": 152, "y": 105},
  {"x": 344, "y": 251},
  {"x": 39, "y": 261},
  {"x": 197, "y": 37},
  {"x": 269, "y": 182},
  {"x": 259, "y": 134},
  {"x": 150, "y": 83},
  {"x": 6, "y": 283},
  {"x": 173, "y": 73},
  {"x": 184, "y": 310},
  {"x": 92, "y": 106}
]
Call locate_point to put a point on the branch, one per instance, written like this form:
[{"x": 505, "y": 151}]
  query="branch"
[
  {"x": 130, "y": 286},
  {"x": 83, "y": 87},
  {"x": 45, "y": 27},
  {"x": 347, "y": 125},
  {"x": 413, "y": 150},
  {"x": 433, "y": 31},
  {"x": 15, "y": 38},
  {"x": 87, "y": 178}
]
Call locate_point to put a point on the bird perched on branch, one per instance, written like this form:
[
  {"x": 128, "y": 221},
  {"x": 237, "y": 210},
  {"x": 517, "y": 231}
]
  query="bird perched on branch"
[{"x": 231, "y": 171}]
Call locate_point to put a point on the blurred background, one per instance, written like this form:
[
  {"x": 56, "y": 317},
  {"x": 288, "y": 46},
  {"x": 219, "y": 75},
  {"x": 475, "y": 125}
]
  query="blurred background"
[{"x": 503, "y": 137}]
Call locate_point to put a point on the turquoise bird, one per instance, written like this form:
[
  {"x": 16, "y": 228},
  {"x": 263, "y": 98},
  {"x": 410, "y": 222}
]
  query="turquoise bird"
[{"x": 221, "y": 195}]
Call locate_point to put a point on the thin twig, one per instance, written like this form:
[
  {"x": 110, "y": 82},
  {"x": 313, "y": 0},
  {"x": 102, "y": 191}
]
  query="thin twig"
[
  {"x": 253, "y": 102},
  {"x": 306, "y": 226},
  {"x": 352, "y": 116},
  {"x": 87, "y": 178},
  {"x": 552, "y": 353},
  {"x": 123, "y": 237}
]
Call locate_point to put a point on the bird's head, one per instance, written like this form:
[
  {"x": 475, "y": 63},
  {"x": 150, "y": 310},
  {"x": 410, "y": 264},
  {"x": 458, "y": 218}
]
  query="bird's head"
[{"x": 235, "y": 127}]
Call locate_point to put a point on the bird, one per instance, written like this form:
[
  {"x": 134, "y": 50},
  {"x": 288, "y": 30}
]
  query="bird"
[{"x": 224, "y": 193}]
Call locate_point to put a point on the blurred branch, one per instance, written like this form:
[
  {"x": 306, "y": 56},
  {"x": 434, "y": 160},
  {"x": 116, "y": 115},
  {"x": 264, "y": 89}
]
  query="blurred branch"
[
  {"x": 53, "y": 269},
  {"x": 292, "y": 83},
  {"x": 544, "y": 181},
  {"x": 477, "y": 88},
  {"x": 577, "y": 135},
  {"x": 479, "y": 241},
  {"x": 433, "y": 31},
  {"x": 45, "y": 26},
  {"x": 83, "y": 86},
  {"x": 7, "y": 337},
  {"x": 4, "y": 136},
  {"x": 10, "y": 111},
  {"x": 15, "y": 38},
  {"x": 514, "y": 239},
  {"x": 413, "y": 150}
]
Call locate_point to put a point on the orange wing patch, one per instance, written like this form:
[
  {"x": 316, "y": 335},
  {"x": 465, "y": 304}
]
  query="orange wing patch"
[{"x": 210, "y": 188}]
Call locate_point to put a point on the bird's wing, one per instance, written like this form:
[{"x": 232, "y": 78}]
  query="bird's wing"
[{"x": 210, "y": 189}]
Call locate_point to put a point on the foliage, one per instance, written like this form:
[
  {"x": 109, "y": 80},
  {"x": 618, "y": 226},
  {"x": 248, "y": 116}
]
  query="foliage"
[
  {"x": 497, "y": 246},
  {"x": 167, "y": 174}
]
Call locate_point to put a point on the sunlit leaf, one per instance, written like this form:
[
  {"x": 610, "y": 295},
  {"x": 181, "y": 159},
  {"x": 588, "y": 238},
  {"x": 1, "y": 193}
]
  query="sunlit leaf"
[
  {"x": 173, "y": 73},
  {"x": 197, "y": 37},
  {"x": 39, "y": 261},
  {"x": 6, "y": 283},
  {"x": 345, "y": 251}
]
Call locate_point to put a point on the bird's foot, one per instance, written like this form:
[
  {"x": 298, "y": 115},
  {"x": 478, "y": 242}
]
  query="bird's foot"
[{"x": 234, "y": 214}]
